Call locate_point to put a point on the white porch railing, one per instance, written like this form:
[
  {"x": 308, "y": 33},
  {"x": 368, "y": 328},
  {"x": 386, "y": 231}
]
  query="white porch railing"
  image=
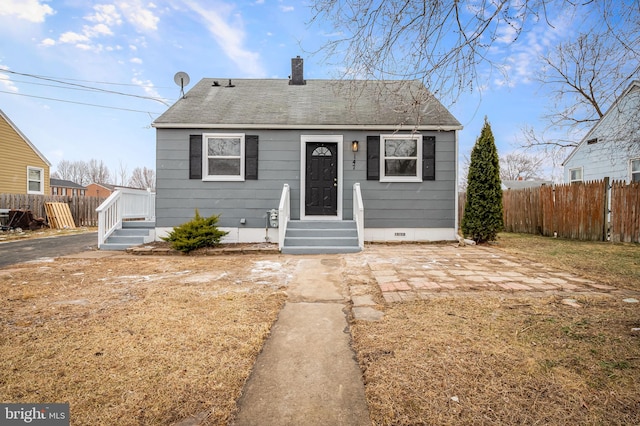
[
  {"x": 358, "y": 213},
  {"x": 124, "y": 203},
  {"x": 284, "y": 214}
]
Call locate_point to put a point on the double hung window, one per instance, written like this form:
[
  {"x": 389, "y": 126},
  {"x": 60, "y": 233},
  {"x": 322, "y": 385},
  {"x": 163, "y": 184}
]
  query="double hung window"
[
  {"x": 575, "y": 175},
  {"x": 223, "y": 156},
  {"x": 401, "y": 158},
  {"x": 35, "y": 180}
]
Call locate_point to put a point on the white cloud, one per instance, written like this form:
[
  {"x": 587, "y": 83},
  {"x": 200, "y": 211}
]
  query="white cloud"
[
  {"x": 5, "y": 81},
  {"x": 133, "y": 47},
  {"x": 286, "y": 8},
  {"x": 140, "y": 16},
  {"x": 106, "y": 14},
  {"x": 135, "y": 61},
  {"x": 229, "y": 36},
  {"x": 48, "y": 42},
  {"x": 71, "y": 37},
  {"x": 148, "y": 88},
  {"x": 96, "y": 30},
  {"x": 29, "y": 10}
]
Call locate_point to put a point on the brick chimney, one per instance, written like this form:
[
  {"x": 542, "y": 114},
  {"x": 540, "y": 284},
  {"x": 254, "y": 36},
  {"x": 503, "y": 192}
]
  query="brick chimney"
[{"x": 297, "y": 72}]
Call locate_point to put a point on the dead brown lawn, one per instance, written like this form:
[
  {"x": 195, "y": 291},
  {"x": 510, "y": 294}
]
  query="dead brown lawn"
[
  {"x": 484, "y": 359},
  {"x": 136, "y": 340},
  {"x": 139, "y": 340}
]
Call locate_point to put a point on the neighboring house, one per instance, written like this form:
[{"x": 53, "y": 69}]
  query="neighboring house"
[
  {"x": 23, "y": 169},
  {"x": 229, "y": 146},
  {"x": 612, "y": 147},
  {"x": 102, "y": 190},
  {"x": 523, "y": 184},
  {"x": 66, "y": 187}
]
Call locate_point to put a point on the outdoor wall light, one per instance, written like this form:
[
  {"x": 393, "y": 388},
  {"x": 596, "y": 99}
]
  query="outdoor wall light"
[{"x": 354, "y": 148}]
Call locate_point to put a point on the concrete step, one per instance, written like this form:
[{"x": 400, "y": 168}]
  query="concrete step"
[
  {"x": 316, "y": 237},
  {"x": 133, "y": 233},
  {"x": 146, "y": 224},
  {"x": 319, "y": 249},
  {"x": 321, "y": 224},
  {"x": 321, "y": 241}
]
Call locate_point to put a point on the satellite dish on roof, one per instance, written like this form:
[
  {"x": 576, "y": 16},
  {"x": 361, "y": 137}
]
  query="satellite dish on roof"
[{"x": 182, "y": 79}]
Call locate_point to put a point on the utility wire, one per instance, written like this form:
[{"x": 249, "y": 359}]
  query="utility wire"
[
  {"x": 63, "y": 87},
  {"x": 85, "y": 87},
  {"x": 78, "y": 103}
]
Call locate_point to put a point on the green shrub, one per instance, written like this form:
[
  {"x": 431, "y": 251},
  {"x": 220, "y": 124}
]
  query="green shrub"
[{"x": 197, "y": 233}]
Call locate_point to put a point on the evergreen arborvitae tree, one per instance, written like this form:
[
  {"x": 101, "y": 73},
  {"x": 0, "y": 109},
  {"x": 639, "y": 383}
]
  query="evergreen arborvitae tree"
[{"x": 482, "y": 218}]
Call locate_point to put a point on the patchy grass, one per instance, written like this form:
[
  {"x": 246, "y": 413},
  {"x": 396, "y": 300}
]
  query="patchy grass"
[
  {"x": 485, "y": 360},
  {"x": 616, "y": 264},
  {"x": 136, "y": 341}
]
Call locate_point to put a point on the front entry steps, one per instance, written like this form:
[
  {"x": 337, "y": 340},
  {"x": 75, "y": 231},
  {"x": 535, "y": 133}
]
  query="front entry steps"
[
  {"x": 133, "y": 233},
  {"x": 321, "y": 237}
]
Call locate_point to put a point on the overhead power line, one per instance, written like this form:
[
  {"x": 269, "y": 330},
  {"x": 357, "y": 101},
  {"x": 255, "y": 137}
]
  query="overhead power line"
[
  {"x": 84, "y": 87},
  {"x": 78, "y": 103}
]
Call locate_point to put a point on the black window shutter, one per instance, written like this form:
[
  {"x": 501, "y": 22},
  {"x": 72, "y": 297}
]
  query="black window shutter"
[
  {"x": 251, "y": 157},
  {"x": 373, "y": 157},
  {"x": 195, "y": 157},
  {"x": 429, "y": 158}
]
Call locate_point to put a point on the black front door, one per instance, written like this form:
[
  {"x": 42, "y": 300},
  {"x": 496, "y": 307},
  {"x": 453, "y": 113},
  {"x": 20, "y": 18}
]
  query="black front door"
[{"x": 321, "y": 192}]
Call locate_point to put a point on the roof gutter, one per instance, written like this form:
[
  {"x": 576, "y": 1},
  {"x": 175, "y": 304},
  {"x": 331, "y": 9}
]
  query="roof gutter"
[{"x": 304, "y": 126}]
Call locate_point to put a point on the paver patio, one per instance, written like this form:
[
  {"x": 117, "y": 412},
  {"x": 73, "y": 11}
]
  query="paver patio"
[{"x": 419, "y": 271}]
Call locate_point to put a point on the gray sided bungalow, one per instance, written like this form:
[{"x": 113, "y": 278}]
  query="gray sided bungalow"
[{"x": 234, "y": 147}]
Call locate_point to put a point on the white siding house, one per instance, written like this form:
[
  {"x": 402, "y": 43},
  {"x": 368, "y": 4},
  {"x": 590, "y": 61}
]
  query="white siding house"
[{"x": 612, "y": 147}]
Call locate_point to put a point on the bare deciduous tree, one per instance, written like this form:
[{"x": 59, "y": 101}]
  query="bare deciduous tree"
[
  {"x": 98, "y": 172},
  {"x": 521, "y": 166},
  {"x": 143, "y": 178},
  {"x": 584, "y": 77},
  {"x": 122, "y": 174},
  {"x": 443, "y": 43},
  {"x": 75, "y": 171}
]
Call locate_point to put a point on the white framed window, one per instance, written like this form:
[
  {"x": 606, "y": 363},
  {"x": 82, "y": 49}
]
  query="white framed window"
[
  {"x": 575, "y": 175},
  {"x": 35, "y": 180},
  {"x": 223, "y": 157},
  {"x": 635, "y": 170},
  {"x": 401, "y": 158}
]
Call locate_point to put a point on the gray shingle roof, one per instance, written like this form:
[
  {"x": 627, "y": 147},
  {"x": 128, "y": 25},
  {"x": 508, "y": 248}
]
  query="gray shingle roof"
[
  {"x": 273, "y": 103},
  {"x": 62, "y": 183}
]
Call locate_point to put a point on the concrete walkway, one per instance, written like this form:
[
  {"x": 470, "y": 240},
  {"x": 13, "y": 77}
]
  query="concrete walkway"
[{"x": 307, "y": 373}]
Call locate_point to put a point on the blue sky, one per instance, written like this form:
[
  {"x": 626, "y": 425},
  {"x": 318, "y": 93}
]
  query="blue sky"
[{"x": 134, "y": 47}]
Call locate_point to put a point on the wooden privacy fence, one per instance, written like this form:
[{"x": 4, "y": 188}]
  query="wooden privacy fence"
[
  {"x": 593, "y": 211},
  {"x": 83, "y": 209}
]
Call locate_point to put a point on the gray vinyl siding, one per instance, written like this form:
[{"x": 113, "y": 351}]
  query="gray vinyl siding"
[{"x": 429, "y": 204}]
